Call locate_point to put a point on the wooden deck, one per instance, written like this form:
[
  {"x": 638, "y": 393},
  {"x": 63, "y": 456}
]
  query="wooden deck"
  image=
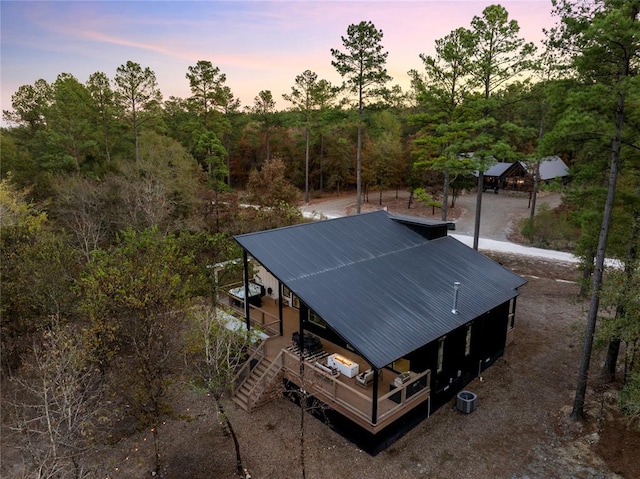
[{"x": 340, "y": 393}]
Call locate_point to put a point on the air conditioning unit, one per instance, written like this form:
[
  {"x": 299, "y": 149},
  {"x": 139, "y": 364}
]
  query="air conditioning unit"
[{"x": 466, "y": 402}]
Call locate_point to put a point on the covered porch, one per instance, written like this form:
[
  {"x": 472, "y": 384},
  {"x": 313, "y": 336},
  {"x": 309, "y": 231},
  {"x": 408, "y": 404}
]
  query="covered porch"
[{"x": 398, "y": 391}]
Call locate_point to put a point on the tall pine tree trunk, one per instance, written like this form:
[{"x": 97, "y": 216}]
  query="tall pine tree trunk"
[
  {"x": 476, "y": 230},
  {"x": 609, "y": 367},
  {"x": 445, "y": 194},
  {"x": 306, "y": 166},
  {"x": 578, "y": 403},
  {"x": 359, "y": 164},
  {"x": 534, "y": 191},
  {"x": 587, "y": 272}
]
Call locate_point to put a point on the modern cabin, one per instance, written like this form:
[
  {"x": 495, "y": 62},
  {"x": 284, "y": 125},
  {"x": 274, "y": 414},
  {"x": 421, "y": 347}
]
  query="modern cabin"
[
  {"x": 519, "y": 177},
  {"x": 382, "y": 319},
  {"x": 506, "y": 176}
]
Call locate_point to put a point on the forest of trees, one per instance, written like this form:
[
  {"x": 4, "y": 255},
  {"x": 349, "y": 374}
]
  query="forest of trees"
[{"x": 113, "y": 199}]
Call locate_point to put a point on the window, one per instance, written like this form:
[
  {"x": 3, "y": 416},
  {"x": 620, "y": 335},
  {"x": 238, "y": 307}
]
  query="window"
[
  {"x": 512, "y": 314},
  {"x": 286, "y": 296},
  {"x": 286, "y": 292},
  {"x": 401, "y": 365},
  {"x": 317, "y": 320},
  {"x": 440, "y": 355},
  {"x": 467, "y": 343}
]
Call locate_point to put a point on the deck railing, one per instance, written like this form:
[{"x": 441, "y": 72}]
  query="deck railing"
[
  {"x": 351, "y": 402},
  {"x": 412, "y": 392},
  {"x": 266, "y": 321}
]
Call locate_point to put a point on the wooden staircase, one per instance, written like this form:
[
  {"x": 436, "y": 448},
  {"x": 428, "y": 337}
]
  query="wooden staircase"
[{"x": 259, "y": 386}]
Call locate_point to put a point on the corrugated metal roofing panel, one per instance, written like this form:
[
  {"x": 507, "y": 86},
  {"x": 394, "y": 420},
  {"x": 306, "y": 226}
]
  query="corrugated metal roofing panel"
[
  {"x": 383, "y": 288},
  {"x": 498, "y": 169},
  {"x": 553, "y": 167},
  {"x": 312, "y": 248}
]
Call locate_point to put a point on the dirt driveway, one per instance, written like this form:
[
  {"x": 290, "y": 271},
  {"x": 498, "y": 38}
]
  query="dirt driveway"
[{"x": 500, "y": 212}]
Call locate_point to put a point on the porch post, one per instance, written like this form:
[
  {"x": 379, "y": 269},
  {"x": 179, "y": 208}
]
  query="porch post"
[
  {"x": 245, "y": 274},
  {"x": 303, "y": 308},
  {"x": 280, "y": 308},
  {"x": 374, "y": 402}
]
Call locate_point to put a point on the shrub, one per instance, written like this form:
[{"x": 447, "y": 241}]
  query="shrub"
[{"x": 550, "y": 229}]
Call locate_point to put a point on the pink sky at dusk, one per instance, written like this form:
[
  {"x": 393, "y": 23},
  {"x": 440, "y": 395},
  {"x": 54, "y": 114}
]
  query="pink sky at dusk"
[{"x": 259, "y": 45}]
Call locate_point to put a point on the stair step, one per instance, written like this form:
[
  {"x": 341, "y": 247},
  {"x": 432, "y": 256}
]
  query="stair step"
[
  {"x": 243, "y": 405},
  {"x": 261, "y": 373}
]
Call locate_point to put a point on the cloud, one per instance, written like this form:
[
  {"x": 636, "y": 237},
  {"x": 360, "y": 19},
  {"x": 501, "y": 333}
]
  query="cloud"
[{"x": 257, "y": 44}]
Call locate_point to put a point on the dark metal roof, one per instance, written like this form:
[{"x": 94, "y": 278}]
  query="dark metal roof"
[
  {"x": 550, "y": 167},
  {"x": 498, "y": 169},
  {"x": 383, "y": 288},
  {"x": 553, "y": 167}
]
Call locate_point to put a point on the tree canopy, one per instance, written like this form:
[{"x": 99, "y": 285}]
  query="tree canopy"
[{"x": 113, "y": 200}]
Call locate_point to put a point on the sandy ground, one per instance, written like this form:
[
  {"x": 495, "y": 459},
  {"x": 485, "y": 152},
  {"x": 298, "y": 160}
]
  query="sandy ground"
[{"x": 520, "y": 430}]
